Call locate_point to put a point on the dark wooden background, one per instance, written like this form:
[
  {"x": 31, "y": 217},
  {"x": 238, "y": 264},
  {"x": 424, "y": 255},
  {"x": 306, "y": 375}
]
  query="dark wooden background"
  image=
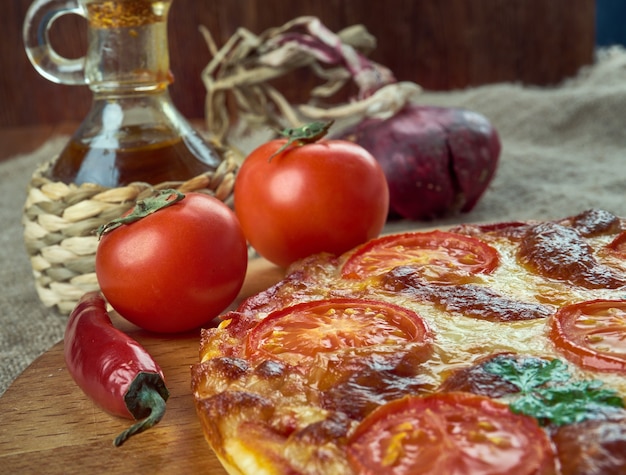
[{"x": 440, "y": 44}]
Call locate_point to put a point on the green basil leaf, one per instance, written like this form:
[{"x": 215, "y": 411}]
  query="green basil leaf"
[{"x": 547, "y": 394}]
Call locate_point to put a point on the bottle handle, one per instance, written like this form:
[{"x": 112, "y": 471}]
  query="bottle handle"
[{"x": 54, "y": 67}]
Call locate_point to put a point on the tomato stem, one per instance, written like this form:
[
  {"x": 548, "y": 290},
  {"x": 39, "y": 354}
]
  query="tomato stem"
[
  {"x": 308, "y": 133},
  {"x": 143, "y": 208}
]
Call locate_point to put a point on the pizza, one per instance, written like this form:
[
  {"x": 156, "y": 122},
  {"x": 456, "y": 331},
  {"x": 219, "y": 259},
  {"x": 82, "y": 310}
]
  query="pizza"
[{"x": 481, "y": 349}]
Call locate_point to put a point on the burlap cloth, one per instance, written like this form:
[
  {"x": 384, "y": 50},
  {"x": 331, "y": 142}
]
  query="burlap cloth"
[{"x": 564, "y": 151}]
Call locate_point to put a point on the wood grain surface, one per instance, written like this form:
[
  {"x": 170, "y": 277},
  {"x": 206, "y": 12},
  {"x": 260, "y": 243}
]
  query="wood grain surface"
[
  {"x": 440, "y": 44},
  {"x": 49, "y": 426}
]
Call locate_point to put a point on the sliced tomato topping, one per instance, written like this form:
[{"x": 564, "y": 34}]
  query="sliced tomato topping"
[
  {"x": 592, "y": 334},
  {"x": 300, "y": 332},
  {"x": 449, "y": 433},
  {"x": 436, "y": 255}
]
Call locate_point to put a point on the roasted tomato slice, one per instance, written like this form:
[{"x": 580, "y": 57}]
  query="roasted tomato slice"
[
  {"x": 436, "y": 255},
  {"x": 301, "y": 332},
  {"x": 592, "y": 334},
  {"x": 449, "y": 433}
]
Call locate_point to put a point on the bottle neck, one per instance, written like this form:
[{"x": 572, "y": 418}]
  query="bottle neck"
[{"x": 128, "y": 46}]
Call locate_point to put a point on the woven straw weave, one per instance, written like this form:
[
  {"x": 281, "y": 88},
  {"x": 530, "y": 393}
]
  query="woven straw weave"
[{"x": 60, "y": 224}]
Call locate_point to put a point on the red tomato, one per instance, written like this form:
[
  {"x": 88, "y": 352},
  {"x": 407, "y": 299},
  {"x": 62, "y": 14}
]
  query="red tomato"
[
  {"x": 301, "y": 332},
  {"x": 328, "y": 196},
  {"x": 175, "y": 269},
  {"x": 449, "y": 433},
  {"x": 592, "y": 334},
  {"x": 442, "y": 256}
]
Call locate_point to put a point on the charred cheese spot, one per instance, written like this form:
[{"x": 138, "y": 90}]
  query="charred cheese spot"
[
  {"x": 246, "y": 404},
  {"x": 513, "y": 231},
  {"x": 595, "y": 222},
  {"x": 319, "y": 447},
  {"x": 217, "y": 374},
  {"x": 560, "y": 252},
  {"x": 593, "y": 446},
  {"x": 475, "y": 379},
  {"x": 270, "y": 369},
  {"x": 359, "y": 394},
  {"x": 334, "y": 429},
  {"x": 471, "y": 300}
]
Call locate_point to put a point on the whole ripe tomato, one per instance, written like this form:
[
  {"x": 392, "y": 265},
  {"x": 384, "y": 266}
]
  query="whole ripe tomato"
[
  {"x": 296, "y": 200},
  {"x": 175, "y": 269}
]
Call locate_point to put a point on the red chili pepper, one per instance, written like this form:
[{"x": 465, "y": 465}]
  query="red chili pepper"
[{"x": 113, "y": 369}]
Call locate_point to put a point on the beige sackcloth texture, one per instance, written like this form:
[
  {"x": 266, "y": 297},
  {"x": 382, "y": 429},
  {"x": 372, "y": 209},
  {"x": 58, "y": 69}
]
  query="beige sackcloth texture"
[{"x": 564, "y": 151}]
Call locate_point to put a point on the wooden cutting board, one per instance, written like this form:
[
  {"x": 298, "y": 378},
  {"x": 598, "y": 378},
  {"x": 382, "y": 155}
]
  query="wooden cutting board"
[{"x": 49, "y": 426}]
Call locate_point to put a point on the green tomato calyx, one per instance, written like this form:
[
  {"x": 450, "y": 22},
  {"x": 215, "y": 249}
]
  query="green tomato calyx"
[
  {"x": 143, "y": 208},
  {"x": 308, "y": 133}
]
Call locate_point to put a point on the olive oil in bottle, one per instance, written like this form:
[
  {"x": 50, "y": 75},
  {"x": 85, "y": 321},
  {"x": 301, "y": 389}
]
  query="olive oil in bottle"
[{"x": 133, "y": 131}]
